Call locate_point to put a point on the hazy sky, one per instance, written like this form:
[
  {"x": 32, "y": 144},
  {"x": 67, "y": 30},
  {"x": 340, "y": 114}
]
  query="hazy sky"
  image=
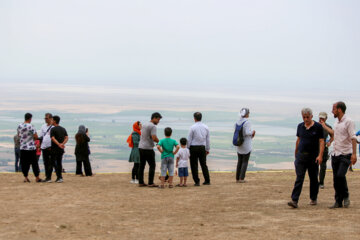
[{"x": 254, "y": 44}]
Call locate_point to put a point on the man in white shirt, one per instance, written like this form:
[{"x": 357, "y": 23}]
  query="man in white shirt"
[
  {"x": 46, "y": 144},
  {"x": 199, "y": 145},
  {"x": 344, "y": 153}
]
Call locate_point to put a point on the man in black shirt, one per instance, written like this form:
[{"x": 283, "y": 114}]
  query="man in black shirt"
[
  {"x": 308, "y": 154},
  {"x": 59, "y": 138}
]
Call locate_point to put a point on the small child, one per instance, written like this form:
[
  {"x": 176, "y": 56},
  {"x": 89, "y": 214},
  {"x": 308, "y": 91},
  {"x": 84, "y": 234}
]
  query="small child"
[
  {"x": 182, "y": 162},
  {"x": 166, "y": 147}
]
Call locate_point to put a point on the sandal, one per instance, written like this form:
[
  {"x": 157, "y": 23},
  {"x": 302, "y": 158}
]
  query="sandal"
[
  {"x": 171, "y": 186},
  {"x": 179, "y": 185},
  {"x": 26, "y": 180},
  {"x": 162, "y": 186},
  {"x": 184, "y": 185}
]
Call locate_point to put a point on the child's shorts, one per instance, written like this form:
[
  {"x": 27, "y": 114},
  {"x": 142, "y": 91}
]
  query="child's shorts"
[
  {"x": 167, "y": 164},
  {"x": 183, "y": 172}
]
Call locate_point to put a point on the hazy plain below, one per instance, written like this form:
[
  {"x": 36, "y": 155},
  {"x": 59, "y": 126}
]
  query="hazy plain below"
[{"x": 109, "y": 112}]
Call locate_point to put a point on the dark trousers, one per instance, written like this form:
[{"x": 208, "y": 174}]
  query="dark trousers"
[
  {"x": 47, "y": 162},
  {"x": 56, "y": 160},
  {"x": 135, "y": 171},
  {"x": 340, "y": 165},
  {"x": 243, "y": 160},
  {"x": 147, "y": 155},
  {"x": 27, "y": 159},
  {"x": 17, "y": 160},
  {"x": 323, "y": 167},
  {"x": 80, "y": 160},
  {"x": 303, "y": 163},
  {"x": 198, "y": 153}
]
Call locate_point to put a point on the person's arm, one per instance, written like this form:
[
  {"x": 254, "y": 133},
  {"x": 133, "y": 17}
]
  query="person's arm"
[
  {"x": 190, "y": 136},
  {"x": 297, "y": 145},
  {"x": 329, "y": 130},
  {"x": 321, "y": 152},
  {"x": 331, "y": 140},
  {"x": 53, "y": 139},
  {"x": 155, "y": 138},
  {"x": 160, "y": 148},
  {"x": 177, "y": 161},
  {"x": 153, "y": 134},
  {"x": 177, "y": 149},
  {"x": 353, "y": 155},
  {"x": 207, "y": 147},
  {"x": 247, "y": 129}
]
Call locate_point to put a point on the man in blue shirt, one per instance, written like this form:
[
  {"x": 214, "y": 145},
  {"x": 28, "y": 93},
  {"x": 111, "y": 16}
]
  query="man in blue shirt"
[{"x": 308, "y": 155}]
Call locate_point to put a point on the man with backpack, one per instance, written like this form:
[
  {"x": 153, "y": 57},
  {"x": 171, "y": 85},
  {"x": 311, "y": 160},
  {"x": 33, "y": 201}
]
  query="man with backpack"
[{"x": 243, "y": 136}]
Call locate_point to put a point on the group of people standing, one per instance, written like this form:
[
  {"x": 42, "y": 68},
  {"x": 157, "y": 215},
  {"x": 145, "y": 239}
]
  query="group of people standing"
[
  {"x": 311, "y": 150},
  {"x": 52, "y": 140},
  {"x": 195, "y": 147}
]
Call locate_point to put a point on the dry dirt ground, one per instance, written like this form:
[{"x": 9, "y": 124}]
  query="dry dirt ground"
[{"x": 107, "y": 206}]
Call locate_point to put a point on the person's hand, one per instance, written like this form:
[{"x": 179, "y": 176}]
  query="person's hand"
[
  {"x": 353, "y": 159},
  {"x": 328, "y": 144},
  {"x": 253, "y": 133},
  {"x": 207, "y": 152},
  {"x": 318, "y": 160},
  {"x": 62, "y": 146},
  {"x": 322, "y": 123}
]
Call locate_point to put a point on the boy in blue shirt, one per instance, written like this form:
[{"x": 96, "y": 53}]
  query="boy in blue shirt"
[{"x": 166, "y": 147}]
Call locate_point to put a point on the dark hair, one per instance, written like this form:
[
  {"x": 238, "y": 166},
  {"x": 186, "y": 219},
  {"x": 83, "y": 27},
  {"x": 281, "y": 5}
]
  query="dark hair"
[
  {"x": 183, "y": 141},
  {"x": 342, "y": 106},
  {"x": 48, "y": 115},
  {"x": 79, "y": 137},
  {"x": 28, "y": 116},
  {"x": 198, "y": 116},
  {"x": 156, "y": 115},
  {"x": 56, "y": 119},
  {"x": 168, "y": 132}
]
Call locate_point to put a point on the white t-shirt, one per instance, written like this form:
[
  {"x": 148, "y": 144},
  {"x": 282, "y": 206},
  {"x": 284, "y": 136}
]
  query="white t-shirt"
[
  {"x": 26, "y": 133},
  {"x": 45, "y": 134},
  {"x": 184, "y": 155}
]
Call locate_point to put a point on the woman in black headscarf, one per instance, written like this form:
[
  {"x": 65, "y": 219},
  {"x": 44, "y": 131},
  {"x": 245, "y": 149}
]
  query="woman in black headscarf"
[{"x": 82, "y": 151}]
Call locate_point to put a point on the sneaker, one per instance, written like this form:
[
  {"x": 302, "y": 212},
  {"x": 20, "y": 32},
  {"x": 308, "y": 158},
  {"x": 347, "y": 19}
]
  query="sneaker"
[
  {"x": 136, "y": 181},
  {"x": 293, "y": 204},
  {"x": 313, "y": 202},
  {"x": 335, "y": 205},
  {"x": 206, "y": 183},
  {"x": 132, "y": 181},
  {"x": 60, "y": 180},
  {"x": 47, "y": 180},
  {"x": 197, "y": 184},
  {"x": 321, "y": 186},
  {"x": 346, "y": 202}
]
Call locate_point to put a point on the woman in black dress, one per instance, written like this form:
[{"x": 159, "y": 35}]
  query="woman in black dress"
[{"x": 82, "y": 151}]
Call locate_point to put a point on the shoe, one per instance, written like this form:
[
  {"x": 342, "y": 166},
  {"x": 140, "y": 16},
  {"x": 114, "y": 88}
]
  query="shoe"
[
  {"x": 313, "y": 202},
  {"x": 153, "y": 185},
  {"x": 60, "y": 180},
  {"x": 132, "y": 181},
  {"x": 335, "y": 205},
  {"x": 197, "y": 184},
  {"x": 346, "y": 202},
  {"x": 40, "y": 180},
  {"x": 136, "y": 181},
  {"x": 47, "y": 180},
  {"x": 241, "y": 181},
  {"x": 142, "y": 185},
  {"x": 321, "y": 186},
  {"x": 206, "y": 183},
  {"x": 293, "y": 204}
]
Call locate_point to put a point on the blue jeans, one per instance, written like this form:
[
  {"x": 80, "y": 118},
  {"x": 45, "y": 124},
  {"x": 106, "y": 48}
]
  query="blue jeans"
[{"x": 167, "y": 164}]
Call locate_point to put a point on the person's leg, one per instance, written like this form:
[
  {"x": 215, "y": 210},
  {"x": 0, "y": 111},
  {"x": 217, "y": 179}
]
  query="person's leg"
[
  {"x": 194, "y": 164},
  {"x": 163, "y": 169},
  {"x": 142, "y": 166},
  {"x": 47, "y": 163},
  {"x": 204, "y": 168},
  {"x": 313, "y": 171},
  {"x": 152, "y": 166},
  {"x": 238, "y": 167},
  {"x": 17, "y": 159},
  {"x": 136, "y": 170},
  {"x": 244, "y": 166},
  {"x": 59, "y": 168},
  {"x": 87, "y": 166},
  {"x": 171, "y": 170},
  {"x": 335, "y": 164},
  {"x": 322, "y": 171},
  {"x": 133, "y": 172},
  {"x": 35, "y": 164},
  {"x": 300, "y": 169},
  {"x": 79, "y": 161},
  {"x": 25, "y": 163},
  {"x": 186, "y": 174},
  {"x": 344, "y": 164}
]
